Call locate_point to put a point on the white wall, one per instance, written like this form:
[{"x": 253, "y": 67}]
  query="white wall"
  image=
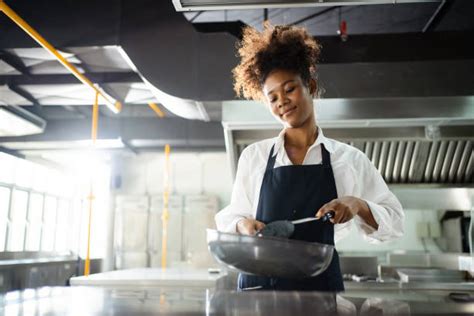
[
  {"x": 209, "y": 173},
  {"x": 191, "y": 173},
  {"x": 409, "y": 242}
]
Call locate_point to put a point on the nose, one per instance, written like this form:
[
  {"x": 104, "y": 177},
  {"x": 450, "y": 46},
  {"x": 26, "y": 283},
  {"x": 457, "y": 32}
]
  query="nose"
[{"x": 283, "y": 100}]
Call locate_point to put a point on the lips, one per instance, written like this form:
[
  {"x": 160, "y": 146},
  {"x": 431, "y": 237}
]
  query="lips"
[{"x": 289, "y": 111}]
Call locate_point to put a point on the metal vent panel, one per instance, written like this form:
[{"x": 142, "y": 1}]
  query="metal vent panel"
[
  {"x": 424, "y": 162},
  {"x": 446, "y": 161}
]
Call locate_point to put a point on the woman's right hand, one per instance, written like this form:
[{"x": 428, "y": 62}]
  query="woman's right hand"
[{"x": 248, "y": 226}]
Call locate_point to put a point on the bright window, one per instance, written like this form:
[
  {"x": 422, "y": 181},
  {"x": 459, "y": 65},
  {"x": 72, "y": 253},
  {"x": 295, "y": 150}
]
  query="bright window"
[
  {"x": 16, "y": 237},
  {"x": 3, "y": 232},
  {"x": 7, "y": 168},
  {"x": 4, "y": 203},
  {"x": 41, "y": 208},
  {"x": 49, "y": 224},
  {"x": 33, "y": 237},
  {"x": 50, "y": 208},
  {"x": 24, "y": 170},
  {"x": 35, "y": 214},
  {"x": 63, "y": 226},
  {"x": 19, "y": 206},
  {"x": 17, "y": 225},
  {"x": 35, "y": 222},
  {"x": 4, "y": 206}
]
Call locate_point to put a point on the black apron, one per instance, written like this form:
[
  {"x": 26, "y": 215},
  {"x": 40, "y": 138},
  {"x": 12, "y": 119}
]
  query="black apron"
[{"x": 294, "y": 192}]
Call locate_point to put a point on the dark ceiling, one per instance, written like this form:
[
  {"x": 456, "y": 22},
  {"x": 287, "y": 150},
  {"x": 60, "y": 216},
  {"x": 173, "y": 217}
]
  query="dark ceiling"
[
  {"x": 393, "y": 50},
  {"x": 360, "y": 19}
]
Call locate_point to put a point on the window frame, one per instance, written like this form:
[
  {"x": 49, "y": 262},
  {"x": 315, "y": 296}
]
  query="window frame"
[{"x": 9, "y": 217}]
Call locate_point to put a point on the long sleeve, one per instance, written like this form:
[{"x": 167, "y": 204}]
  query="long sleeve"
[
  {"x": 240, "y": 205},
  {"x": 385, "y": 207}
]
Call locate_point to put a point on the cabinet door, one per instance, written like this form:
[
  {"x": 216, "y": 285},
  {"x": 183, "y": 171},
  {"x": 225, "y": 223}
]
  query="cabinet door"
[
  {"x": 175, "y": 230},
  {"x": 199, "y": 215}
]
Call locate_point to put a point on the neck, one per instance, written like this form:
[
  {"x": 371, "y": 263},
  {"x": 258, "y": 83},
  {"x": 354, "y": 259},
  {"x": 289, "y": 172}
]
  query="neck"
[{"x": 303, "y": 136}]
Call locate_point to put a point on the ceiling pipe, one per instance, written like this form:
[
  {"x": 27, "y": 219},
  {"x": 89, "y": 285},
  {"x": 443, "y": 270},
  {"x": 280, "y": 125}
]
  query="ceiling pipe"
[{"x": 113, "y": 106}]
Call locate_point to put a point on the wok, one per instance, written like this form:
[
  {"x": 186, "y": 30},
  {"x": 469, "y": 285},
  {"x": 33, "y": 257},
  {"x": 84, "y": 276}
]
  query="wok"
[{"x": 269, "y": 256}]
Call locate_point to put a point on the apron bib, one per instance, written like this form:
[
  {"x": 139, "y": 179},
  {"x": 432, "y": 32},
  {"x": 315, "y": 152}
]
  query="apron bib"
[{"x": 294, "y": 192}]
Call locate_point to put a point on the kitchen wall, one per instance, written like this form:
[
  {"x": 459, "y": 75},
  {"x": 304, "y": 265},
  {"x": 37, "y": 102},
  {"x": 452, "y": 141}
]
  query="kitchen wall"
[
  {"x": 191, "y": 173},
  {"x": 209, "y": 174},
  {"x": 200, "y": 185},
  {"x": 354, "y": 241}
]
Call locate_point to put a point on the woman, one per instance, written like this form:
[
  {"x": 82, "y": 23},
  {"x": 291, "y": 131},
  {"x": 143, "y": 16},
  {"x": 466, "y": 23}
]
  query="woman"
[{"x": 300, "y": 173}]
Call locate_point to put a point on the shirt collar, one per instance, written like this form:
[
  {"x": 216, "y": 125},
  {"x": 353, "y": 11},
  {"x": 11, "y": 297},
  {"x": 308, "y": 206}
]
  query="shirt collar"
[{"x": 280, "y": 141}]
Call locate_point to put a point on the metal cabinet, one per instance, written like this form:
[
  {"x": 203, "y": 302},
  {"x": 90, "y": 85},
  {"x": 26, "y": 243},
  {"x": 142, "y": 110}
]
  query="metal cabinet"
[{"x": 139, "y": 229}]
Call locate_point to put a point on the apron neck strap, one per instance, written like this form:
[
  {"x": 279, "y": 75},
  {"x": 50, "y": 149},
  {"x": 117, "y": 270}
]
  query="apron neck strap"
[
  {"x": 271, "y": 159},
  {"x": 324, "y": 153},
  {"x": 326, "y": 156}
]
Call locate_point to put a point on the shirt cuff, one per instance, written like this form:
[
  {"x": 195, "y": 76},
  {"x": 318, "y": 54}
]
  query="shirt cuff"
[
  {"x": 370, "y": 233},
  {"x": 232, "y": 227}
]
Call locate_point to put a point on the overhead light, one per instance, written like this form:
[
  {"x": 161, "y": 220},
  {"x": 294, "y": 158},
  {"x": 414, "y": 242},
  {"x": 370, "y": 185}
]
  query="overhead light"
[
  {"x": 15, "y": 121},
  {"x": 203, "y": 5}
]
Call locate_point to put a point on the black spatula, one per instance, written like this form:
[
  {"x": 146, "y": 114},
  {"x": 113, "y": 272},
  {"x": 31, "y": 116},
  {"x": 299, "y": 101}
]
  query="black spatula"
[{"x": 285, "y": 229}]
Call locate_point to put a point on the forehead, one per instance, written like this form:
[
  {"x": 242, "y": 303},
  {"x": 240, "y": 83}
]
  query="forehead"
[{"x": 279, "y": 78}]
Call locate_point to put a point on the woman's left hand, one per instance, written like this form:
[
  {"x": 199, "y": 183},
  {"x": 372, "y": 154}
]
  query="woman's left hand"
[{"x": 345, "y": 208}]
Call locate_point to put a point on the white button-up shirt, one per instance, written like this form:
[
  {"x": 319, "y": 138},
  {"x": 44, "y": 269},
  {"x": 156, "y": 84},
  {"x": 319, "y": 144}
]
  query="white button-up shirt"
[{"x": 354, "y": 173}]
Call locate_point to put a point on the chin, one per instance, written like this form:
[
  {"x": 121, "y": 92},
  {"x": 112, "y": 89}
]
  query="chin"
[{"x": 290, "y": 124}]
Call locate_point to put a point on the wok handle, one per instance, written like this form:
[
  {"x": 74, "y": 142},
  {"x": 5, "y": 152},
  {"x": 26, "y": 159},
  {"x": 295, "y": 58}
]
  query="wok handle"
[
  {"x": 324, "y": 218},
  {"x": 328, "y": 216}
]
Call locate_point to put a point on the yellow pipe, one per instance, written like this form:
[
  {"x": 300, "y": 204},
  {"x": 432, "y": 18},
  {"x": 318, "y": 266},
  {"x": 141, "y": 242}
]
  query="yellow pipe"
[
  {"x": 114, "y": 107},
  {"x": 87, "y": 265},
  {"x": 95, "y": 125},
  {"x": 165, "y": 216},
  {"x": 157, "y": 109},
  {"x": 95, "y": 119}
]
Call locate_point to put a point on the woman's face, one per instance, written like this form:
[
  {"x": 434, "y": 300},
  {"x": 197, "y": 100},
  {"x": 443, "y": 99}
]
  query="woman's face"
[{"x": 289, "y": 99}]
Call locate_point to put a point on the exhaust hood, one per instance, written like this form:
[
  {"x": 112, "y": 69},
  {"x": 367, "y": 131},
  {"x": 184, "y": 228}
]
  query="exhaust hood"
[{"x": 409, "y": 140}]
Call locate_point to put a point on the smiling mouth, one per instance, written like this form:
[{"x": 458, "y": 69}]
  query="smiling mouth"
[{"x": 289, "y": 111}]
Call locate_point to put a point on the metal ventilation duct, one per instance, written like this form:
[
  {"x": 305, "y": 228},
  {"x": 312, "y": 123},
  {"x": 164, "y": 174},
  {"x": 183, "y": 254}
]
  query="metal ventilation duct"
[
  {"x": 194, "y": 62},
  {"x": 200, "y": 5}
]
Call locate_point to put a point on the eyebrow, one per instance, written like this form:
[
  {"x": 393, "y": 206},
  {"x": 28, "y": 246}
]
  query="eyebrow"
[{"x": 284, "y": 83}]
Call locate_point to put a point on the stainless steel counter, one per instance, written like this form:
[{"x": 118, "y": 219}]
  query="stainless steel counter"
[
  {"x": 192, "y": 301},
  {"x": 151, "y": 278},
  {"x": 422, "y": 286}
]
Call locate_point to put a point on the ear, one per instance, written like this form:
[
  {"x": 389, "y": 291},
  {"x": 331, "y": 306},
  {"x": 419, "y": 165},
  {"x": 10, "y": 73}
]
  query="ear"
[{"x": 313, "y": 86}]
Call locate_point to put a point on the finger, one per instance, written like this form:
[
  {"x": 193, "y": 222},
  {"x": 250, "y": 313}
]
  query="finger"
[
  {"x": 330, "y": 206},
  {"x": 347, "y": 217},
  {"x": 323, "y": 210},
  {"x": 338, "y": 215},
  {"x": 245, "y": 227},
  {"x": 259, "y": 225},
  {"x": 251, "y": 230}
]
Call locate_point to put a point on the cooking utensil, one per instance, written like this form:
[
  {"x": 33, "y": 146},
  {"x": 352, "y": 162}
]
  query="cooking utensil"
[
  {"x": 285, "y": 229},
  {"x": 269, "y": 256}
]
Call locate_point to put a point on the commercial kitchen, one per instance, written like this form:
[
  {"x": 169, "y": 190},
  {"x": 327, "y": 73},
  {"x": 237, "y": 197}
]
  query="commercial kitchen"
[{"x": 120, "y": 138}]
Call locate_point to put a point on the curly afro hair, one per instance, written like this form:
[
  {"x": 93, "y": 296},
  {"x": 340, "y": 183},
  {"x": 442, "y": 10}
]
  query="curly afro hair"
[{"x": 276, "y": 47}]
